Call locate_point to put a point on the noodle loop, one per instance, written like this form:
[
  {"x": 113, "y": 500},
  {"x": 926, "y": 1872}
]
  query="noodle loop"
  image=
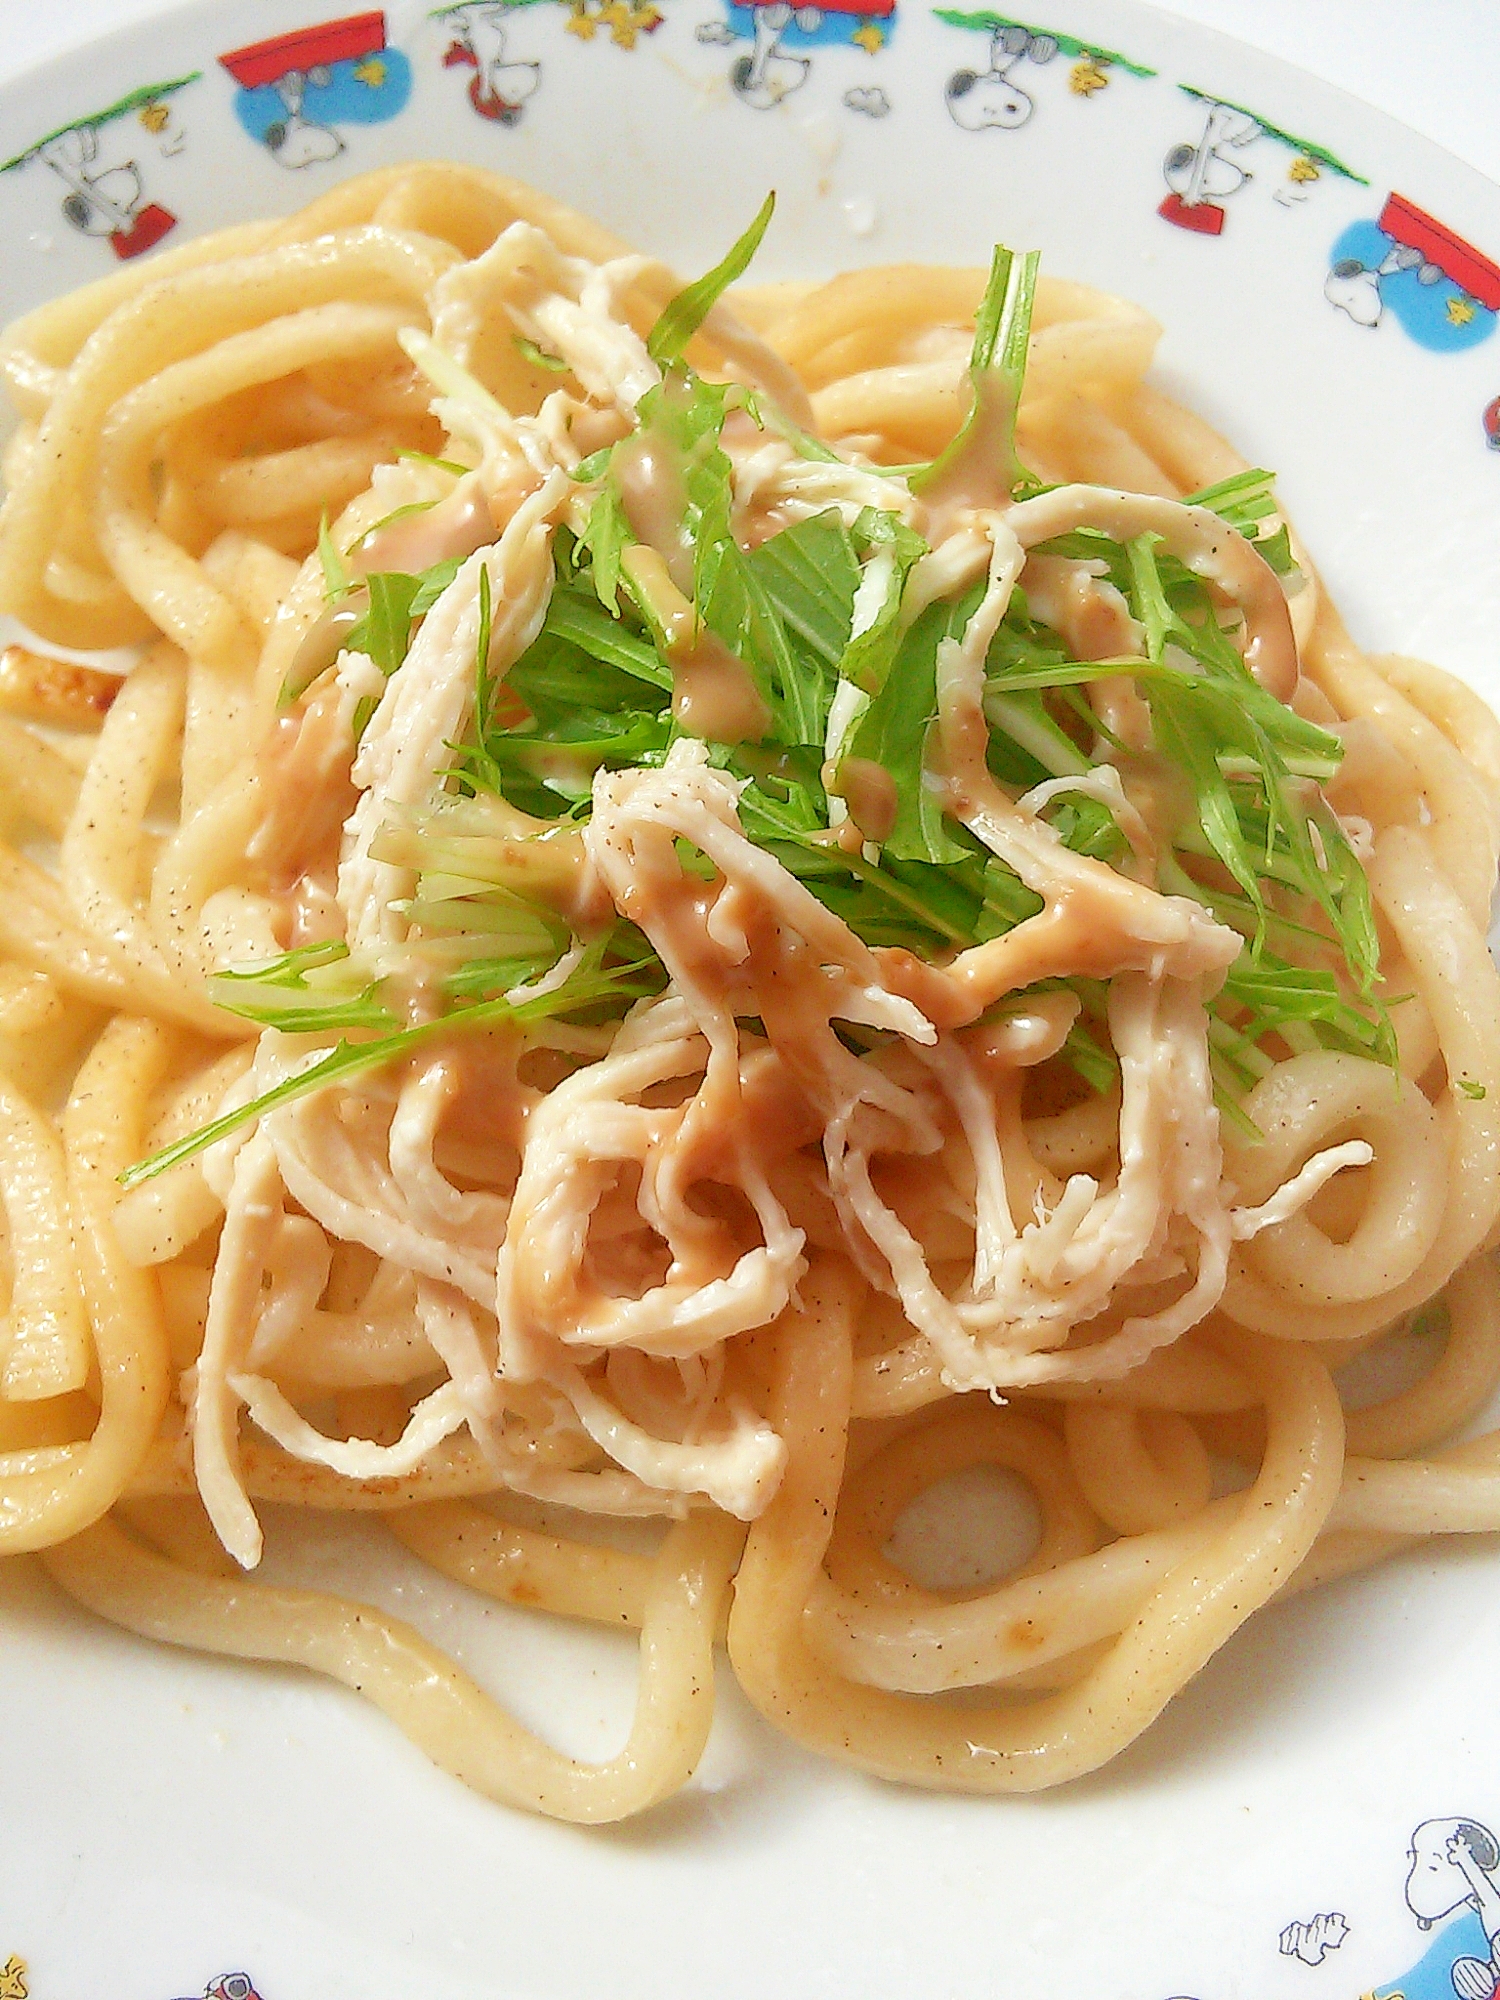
[{"x": 744, "y": 912}]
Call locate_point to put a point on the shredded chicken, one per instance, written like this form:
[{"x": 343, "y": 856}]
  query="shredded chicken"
[{"x": 575, "y": 1285}]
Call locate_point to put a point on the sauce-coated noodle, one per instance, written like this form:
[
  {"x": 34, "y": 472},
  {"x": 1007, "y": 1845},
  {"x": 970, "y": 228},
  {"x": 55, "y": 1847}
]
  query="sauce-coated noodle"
[{"x": 820, "y": 978}]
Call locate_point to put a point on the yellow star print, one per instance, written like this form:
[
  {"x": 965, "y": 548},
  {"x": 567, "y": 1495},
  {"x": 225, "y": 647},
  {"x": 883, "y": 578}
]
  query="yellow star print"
[
  {"x": 154, "y": 117},
  {"x": 13, "y": 1979},
  {"x": 1087, "y": 76},
  {"x": 581, "y": 22},
  {"x": 1304, "y": 169},
  {"x": 619, "y": 18},
  {"x": 370, "y": 73},
  {"x": 1460, "y": 311},
  {"x": 869, "y": 37}
]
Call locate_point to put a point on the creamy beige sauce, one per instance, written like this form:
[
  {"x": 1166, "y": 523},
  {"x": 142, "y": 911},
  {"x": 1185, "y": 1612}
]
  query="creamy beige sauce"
[
  {"x": 1161, "y": 793},
  {"x": 869, "y": 791},
  {"x": 714, "y": 695},
  {"x": 1093, "y": 619},
  {"x": 1079, "y": 933},
  {"x": 1083, "y": 608},
  {"x": 447, "y": 532},
  {"x": 651, "y": 488},
  {"x": 979, "y": 473},
  {"x": 1097, "y": 922}
]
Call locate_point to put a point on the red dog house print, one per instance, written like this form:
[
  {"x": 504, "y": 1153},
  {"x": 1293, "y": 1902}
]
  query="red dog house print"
[
  {"x": 1411, "y": 226},
  {"x": 306, "y": 49}
]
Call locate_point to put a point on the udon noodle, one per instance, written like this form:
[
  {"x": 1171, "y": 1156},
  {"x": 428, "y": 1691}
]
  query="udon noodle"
[{"x": 698, "y": 913}]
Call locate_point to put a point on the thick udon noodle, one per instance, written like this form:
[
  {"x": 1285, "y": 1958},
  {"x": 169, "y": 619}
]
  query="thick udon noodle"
[{"x": 183, "y": 427}]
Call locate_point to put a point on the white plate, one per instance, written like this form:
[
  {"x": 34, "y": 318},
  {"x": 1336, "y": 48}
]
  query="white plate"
[{"x": 167, "y": 1820}]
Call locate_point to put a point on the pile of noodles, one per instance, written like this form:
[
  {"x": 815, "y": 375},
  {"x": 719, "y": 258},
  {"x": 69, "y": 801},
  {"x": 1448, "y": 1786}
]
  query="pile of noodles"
[{"x": 785, "y": 1243}]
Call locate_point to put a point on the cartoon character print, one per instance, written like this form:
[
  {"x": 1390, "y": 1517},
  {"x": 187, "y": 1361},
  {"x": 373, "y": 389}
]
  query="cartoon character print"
[
  {"x": 1201, "y": 177},
  {"x": 296, "y": 90},
  {"x": 500, "y": 84},
  {"x": 977, "y": 99},
  {"x": 104, "y": 200},
  {"x": 1439, "y": 288},
  {"x": 102, "y": 174},
  {"x": 1491, "y": 421},
  {"x": 14, "y": 1984},
  {"x": 774, "y": 66},
  {"x": 1451, "y": 1880},
  {"x": 1202, "y": 174},
  {"x": 626, "y": 20},
  {"x": 1002, "y": 96}
]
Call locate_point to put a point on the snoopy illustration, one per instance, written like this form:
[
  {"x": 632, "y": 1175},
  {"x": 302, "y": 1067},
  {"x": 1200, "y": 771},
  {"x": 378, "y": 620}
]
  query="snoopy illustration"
[
  {"x": 769, "y": 73},
  {"x": 774, "y": 66},
  {"x": 1200, "y": 177},
  {"x": 296, "y": 140},
  {"x": 1354, "y": 286},
  {"x": 356, "y": 76},
  {"x": 1453, "y": 1864},
  {"x": 1408, "y": 266},
  {"x": 498, "y": 88},
  {"x": 107, "y": 201},
  {"x": 980, "y": 99}
]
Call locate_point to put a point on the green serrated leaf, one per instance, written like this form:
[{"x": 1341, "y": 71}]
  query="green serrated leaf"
[
  {"x": 997, "y": 368},
  {"x": 591, "y": 982},
  {"x": 292, "y": 967},
  {"x": 607, "y": 533},
  {"x": 810, "y": 573},
  {"x": 684, "y": 315},
  {"x": 384, "y": 633},
  {"x": 895, "y": 731}
]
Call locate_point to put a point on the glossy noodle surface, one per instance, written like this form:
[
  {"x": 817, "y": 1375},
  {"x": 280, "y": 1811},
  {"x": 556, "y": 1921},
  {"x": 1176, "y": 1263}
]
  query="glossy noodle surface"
[{"x": 720, "y": 906}]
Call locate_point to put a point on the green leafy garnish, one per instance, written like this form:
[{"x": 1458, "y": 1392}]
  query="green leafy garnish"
[
  {"x": 338, "y": 578},
  {"x": 822, "y": 618},
  {"x": 596, "y": 978},
  {"x": 438, "y": 464},
  {"x": 896, "y": 730},
  {"x": 538, "y": 356},
  {"x": 384, "y": 633},
  {"x": 1244, "y": 500},
  {"x": 684, "y": 314},
  {"x": 997, "y": 366},
  {"x": 304, "y": 992}
]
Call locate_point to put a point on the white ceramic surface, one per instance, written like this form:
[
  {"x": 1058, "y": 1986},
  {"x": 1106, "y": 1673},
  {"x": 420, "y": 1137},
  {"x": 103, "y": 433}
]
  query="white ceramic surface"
[{"x": 166, "y": 1820}]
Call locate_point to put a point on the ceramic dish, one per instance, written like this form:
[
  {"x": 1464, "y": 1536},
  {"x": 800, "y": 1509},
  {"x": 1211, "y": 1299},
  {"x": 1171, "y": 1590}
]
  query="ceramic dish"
[{"x": 173, "y": 1826}]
